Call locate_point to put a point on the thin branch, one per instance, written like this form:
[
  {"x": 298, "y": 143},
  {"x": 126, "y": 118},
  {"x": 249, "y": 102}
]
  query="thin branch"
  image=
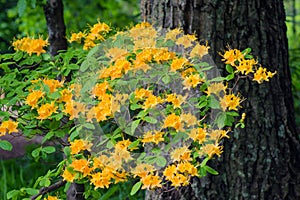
[{"x": 48, "y": 189}]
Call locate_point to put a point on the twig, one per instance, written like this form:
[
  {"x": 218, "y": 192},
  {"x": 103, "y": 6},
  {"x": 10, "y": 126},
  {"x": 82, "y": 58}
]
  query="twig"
[{"x": 48, "y": 189}]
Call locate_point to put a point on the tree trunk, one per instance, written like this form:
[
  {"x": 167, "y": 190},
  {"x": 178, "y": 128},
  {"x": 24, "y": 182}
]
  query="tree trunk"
[
  {"x": 262, "y": 160},
  {"x": 53, "y": 11}
]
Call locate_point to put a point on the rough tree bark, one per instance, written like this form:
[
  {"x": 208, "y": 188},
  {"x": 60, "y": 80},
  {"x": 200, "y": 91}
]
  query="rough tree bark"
[
  {"x": 262, "y": 160},
  {"x": 53, "y": 11}
]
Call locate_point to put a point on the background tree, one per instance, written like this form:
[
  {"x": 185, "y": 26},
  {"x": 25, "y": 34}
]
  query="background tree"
[{"x": 260, "y": 161}]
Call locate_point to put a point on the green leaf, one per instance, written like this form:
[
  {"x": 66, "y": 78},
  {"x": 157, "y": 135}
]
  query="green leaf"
[
  {"x": 213, "y": 103},
  {"x": 247, "y": 51},
  {"x": 221, "y": 120},
  {"x": 49, "y": 149},
  {"x": 134, "y": 125},
  {"x": 203, "y": 163},
  {"x": 142, "y": 114},
  {"x": 178, "y": 137},
  {"x": 45, "y": 182},
  {"x": 166, "y": 79},
  {"x": 18, "y": 55},
  {"x": 31, "y": 191},
  {"x": 229, "y": 120},
  {"x": 202, "y": 104},
  {"x": 211, "y": 170},
  {"x": 109, "y": 193},
  {"x": 229, "y": 77},
  {"x": 89, "y": 126},
  {"x": 54, "y": 125},
  {"x": 73, "y": 66},
  {"x": 135, "y": 106},
  {"x": 5, "y": 145},
  {"x": 161, "y": 161},
  {"x": 13, "y": 193},
  {"x": 229, "y": 68},
  {"x": 135, "y": 188},
  {"x": 217, "y": 79},
  {"x": 48, "y": 136},
  {"x": 35, "y": 153},
  {"x": 232, "y": 113},
  {"x": 88, "y": 63},
  {"x": 134, "y": 144},
  {"x": 54, "y": 95},
  {"x": 67, "y": 151},
  {"x": 88, "y": 85},
  {"x": 74, "y": 134},
  {"x": 248, "y": 56},
  {"x": 151, "y": 120},
  {"x": 21, "y": 7}
]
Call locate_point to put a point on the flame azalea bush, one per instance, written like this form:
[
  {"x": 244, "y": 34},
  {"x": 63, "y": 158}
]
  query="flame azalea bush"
[{"x": 141, "y": 104}]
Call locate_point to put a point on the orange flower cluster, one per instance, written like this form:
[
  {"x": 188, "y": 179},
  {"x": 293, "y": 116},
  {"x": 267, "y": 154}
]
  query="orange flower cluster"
[
  {"x": 244, "y": 65},
  {"x": 102, "y": 170},
  {"x": 30, "y": 45},
  {"x": 96, "y": 33},
  {"x": 8, "y": 127},
  {"x": 154, "y": 117}
]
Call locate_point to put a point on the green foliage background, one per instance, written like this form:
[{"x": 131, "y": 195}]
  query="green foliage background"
[{"x": 292, "y": 8}]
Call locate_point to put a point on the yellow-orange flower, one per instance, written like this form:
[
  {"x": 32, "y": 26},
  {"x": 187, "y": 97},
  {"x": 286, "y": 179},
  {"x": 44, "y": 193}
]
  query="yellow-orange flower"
[
  {"x": 230, "y": 102},
  {"x": 100, "y": 28},
  {"x": 154, "y": 138},
  {"x": 80, "y": 145},
  {"x": 151, "y": 101},
  {"x": 173, "y": 121},
  {"x": 176, "y": 99},
  {"x": 192, "y": 81},
  {"x": 51, "y": 198},
  {"x": 116, "y": 53},
  {"x": 101, "y": 180},
  {"x": 68, "y": 176},
  {"x": 179, "y": 180},
  {"x": 199, "y": 50},
  {"x": 66, "y": 95},
  {"x": 73, "y": 108},
  {"x": 30, "y": 45},
  {"x": 231, "y": 56},
  {"x": 142, "y": 93},
  {"x": 33, "y": 98},
  {"x": 187, "y": 167},
  {"x": 246, "y": 66},
  {"x": 215, "y": 88},
  {"x": 198, "y": 135},
  {"x": 8, "y": 126},
  {"x": 216, "y": 135},
  {"x": 142, "y": 170},
  {"x": 186, "y": 40},
  {"x": 151, "y": 182},
  {"x": 76, "y": 37},
  {"x": 172, "y": 34},
  {"x": 181, "y": 154},
  {"x": 100, "y": 89},
  {"x": 82, "y": 166},
  {"x": 189, "y": 119},
  {"x": 187, "y": 72},
  {"x": 212, "y": 149},
  {"x": 262, "y": 75},
  {"x": 178, "y": 63},
  {"x": 53, "y": 84},
  {"x": 170, "y": 171},
  {"x": 46, "y": 110}
]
